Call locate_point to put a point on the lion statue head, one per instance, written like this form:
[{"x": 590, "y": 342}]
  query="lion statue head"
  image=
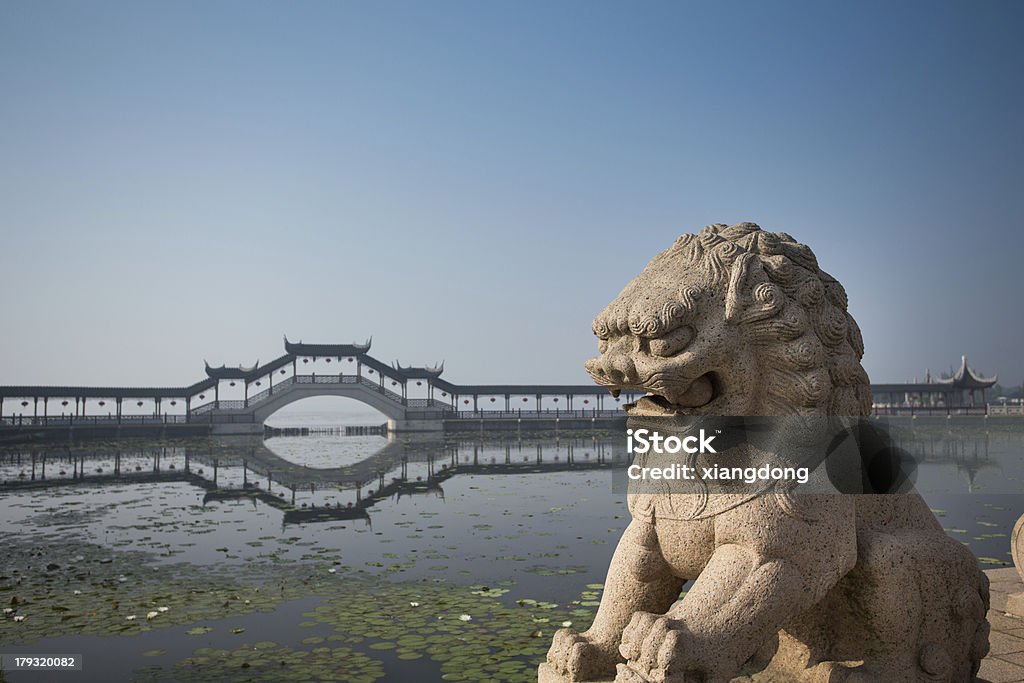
[{"x": 733, "y": 321}]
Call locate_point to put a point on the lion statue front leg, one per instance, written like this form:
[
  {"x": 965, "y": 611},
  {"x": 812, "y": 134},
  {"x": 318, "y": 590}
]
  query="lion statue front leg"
[
  {"x": 752, "y": 585},
  {"x": 638, "y": 579},
  {"x": 748, "y": 584}
]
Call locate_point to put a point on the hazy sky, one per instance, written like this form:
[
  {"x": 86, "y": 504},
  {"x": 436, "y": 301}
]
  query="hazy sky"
[{"x": 475, "y": 181}]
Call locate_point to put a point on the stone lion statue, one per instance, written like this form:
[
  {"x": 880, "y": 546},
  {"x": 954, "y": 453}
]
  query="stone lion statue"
[{"x": 858, "y": 588}]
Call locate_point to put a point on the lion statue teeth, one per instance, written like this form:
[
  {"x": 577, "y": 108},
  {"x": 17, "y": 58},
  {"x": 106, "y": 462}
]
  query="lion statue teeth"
[{"x": 737, "y": 321}]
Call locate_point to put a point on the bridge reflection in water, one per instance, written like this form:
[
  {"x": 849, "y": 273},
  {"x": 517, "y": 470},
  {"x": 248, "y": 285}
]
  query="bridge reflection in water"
[
  {"x": 246, "y": 468},
  {"x": 242, "y": 468}
]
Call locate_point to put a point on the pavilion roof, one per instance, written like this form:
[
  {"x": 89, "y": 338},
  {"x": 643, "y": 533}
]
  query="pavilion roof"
[
  {"x": 322, "y": 350},
  {"x": 968, "y": 378},
  {"x": 224, "y": 372},
  {"x": 425, "y": 372}
]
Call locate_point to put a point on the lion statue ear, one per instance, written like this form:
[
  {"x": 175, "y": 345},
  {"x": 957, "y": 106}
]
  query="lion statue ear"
[{"x": 751, "y": 296}]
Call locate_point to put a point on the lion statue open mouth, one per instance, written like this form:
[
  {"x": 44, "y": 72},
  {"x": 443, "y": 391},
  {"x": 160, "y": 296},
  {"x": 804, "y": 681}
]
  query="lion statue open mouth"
[{"x": 736, "y": 321}]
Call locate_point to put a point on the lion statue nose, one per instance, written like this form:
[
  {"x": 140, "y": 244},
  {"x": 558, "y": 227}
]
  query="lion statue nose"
[{"x": 612, "y": 369}]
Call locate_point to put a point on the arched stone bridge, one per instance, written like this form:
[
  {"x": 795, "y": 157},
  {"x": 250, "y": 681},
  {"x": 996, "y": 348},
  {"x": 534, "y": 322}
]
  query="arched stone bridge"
[{"x": 240, "y": 399}]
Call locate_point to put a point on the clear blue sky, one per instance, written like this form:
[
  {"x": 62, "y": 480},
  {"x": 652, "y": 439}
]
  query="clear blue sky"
[{"x": 474, "y": 181}]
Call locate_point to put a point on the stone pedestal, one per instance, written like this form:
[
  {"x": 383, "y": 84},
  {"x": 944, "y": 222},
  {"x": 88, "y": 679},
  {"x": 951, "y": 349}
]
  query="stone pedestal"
[
  {"x": 401, "y": 426},
  {"x": 1015, "y": 601}
]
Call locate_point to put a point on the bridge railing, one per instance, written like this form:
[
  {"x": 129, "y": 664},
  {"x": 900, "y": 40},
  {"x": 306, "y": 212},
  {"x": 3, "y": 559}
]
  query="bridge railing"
[
  {"x": 428, "y": 403},
  {"x": 257, "y": 397},
  {"x": 325, "y": 379},
  {"x": 260, "y": 396},
  {"x": 73, "y": 420},
  {"x": 535, "y": 414},
  {"x": 397, "y": 398},
  {"x": 231, "y": 405},
  {"x": 928, "y": 411},
  {"x": 1006, "y": 409},
  {"x": 205, "y": 408}
]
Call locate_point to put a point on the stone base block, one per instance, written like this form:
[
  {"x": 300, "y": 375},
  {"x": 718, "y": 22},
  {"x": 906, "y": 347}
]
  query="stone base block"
[{"x": 402, "y": 426}]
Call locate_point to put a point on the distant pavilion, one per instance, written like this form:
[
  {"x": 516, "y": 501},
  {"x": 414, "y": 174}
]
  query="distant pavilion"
[{"x": 958, "y": 391}]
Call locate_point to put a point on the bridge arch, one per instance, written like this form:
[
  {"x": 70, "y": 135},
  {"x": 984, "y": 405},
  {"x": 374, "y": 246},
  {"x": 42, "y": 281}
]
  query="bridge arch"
[{"x": 296, "y": 392}]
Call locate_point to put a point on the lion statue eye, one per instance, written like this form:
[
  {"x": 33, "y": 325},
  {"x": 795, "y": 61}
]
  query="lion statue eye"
[
  {"x": 602, "y": 345},
  {"x": 671, "y": 343}
]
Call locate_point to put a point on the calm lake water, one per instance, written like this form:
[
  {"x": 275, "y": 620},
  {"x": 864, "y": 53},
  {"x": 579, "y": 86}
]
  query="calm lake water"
[{"x": 189, "y": 564}]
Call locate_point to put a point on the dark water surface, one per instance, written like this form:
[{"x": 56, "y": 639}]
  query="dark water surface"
[{"x": 183, "y": 566}]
